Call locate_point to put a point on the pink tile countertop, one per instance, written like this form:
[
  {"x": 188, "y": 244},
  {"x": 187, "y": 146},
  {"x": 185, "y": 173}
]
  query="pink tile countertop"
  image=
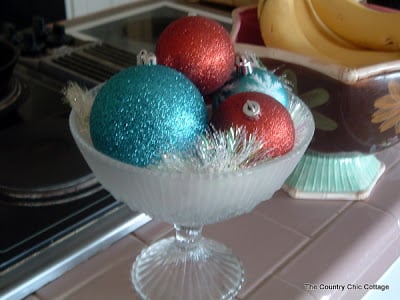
[{"x": 284, "y": 244}]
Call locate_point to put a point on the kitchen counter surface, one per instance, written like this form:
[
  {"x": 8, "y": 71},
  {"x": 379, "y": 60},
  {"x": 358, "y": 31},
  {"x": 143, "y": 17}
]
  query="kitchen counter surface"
[{"x": 291, "y": 249}]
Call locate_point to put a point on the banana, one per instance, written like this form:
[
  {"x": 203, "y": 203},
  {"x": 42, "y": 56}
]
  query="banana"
[
  {"x": 260, "y": 6},
  {"x": 293, "y": 25},
  {"x": 280, "y": 28},
  {"x": 329, "y": 34},
  {"x": 363, "y": 26}
]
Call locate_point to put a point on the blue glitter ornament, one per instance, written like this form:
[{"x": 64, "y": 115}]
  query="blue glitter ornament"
[
  {"x": 146, "y": 111},
  {"x": 256, "y": 80}
]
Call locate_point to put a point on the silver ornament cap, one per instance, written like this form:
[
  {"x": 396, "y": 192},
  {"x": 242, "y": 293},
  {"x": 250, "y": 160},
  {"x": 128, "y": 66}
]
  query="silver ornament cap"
[
  {"x": 243, "y": 66},
  {"x": 252, "y": 109},
  {"x": 146, "y": 58}
]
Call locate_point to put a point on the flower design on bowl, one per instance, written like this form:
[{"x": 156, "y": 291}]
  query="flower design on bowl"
[{"x": 388, "y": 109}]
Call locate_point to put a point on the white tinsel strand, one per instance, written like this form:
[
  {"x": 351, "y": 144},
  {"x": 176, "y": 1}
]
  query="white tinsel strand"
[
  {"x": 217, "y": 151},
  {"x": 80, "y": 100}
]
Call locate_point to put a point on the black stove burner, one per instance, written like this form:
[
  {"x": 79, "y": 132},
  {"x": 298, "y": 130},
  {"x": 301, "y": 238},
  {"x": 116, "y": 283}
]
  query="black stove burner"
[
  {"x": 47, "y": 191},
  {"x": 40, "y": 163},
  {"x": 12, "y": 96},
  {"x": 40, "y": 160}
]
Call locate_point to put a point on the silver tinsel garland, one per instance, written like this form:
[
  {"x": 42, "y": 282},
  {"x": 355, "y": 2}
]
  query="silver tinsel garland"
[{"x": 217, "y": 151}]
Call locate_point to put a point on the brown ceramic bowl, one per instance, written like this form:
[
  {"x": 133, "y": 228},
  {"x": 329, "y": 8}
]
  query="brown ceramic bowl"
[{"x": 344, "y": 101}]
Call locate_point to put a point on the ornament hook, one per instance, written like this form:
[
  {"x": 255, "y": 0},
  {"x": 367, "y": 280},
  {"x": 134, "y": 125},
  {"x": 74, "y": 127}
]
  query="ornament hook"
[
  {"x": 243, "y": 65},
  {"x": 146, "y": 58},
  {"x": 252, "y": 109}
]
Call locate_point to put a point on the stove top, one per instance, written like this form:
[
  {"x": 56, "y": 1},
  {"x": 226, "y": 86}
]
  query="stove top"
[{"x": 48, "y": 194}]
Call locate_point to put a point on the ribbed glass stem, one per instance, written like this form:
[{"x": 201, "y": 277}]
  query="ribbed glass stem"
[
  {"x": 187, "y": 266},
  {"x": 187, "y": 236}
]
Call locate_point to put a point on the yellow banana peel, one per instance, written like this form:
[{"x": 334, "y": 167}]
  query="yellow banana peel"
[
  {"x": 293, "y": 25},
  {"x": 359, "y": 24}
]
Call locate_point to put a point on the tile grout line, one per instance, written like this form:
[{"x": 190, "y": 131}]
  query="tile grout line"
[
  {"x": 306, "y": 244},
  {"x": 287, "y": 227},
  {"x": 301, "y": 248},
  {"x": 140, "y": 239}
]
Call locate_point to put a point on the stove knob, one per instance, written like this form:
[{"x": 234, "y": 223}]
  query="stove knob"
[
  {"x": 57, "y": 37},
  {"x": 31, "y": 46},
  {"x": 39, "y": 28}
]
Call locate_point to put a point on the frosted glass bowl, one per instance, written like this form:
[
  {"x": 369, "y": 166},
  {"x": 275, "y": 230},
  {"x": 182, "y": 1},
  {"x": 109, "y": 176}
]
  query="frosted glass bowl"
[{"x": 190, "y": 201}]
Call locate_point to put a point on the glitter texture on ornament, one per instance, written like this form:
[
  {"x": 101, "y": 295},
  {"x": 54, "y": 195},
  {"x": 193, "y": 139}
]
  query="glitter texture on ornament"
[
  {"x": 144, "y": 111},
  {"x": 200, "y": 48},
  {"x": 273, "y": 123}
]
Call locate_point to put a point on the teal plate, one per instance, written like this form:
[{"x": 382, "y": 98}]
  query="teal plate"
[{"x": 341, "y": 176}]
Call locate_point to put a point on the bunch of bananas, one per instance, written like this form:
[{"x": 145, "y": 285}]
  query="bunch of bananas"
[{"x": 343, "y": 32}]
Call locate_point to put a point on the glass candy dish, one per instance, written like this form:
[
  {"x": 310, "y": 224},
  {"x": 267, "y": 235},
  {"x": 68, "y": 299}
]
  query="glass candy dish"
[{"x": 189, "y": 266}]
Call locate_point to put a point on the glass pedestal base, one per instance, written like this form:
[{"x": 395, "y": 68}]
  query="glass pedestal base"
[
  {"x": 174, "y": 269},
  {"x": 341, "y": 176}
]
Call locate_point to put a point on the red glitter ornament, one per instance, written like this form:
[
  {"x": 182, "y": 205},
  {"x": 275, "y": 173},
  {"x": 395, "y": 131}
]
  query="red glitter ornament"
[
  {"x": 260, "y": 114},
  {"x": 200, "y": 48}
]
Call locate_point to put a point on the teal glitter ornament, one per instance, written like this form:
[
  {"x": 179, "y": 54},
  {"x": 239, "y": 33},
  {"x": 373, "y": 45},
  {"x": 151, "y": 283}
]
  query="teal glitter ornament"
[
  {"x": 249, "y": 78},
  {"x": 146, "y": 111}
]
